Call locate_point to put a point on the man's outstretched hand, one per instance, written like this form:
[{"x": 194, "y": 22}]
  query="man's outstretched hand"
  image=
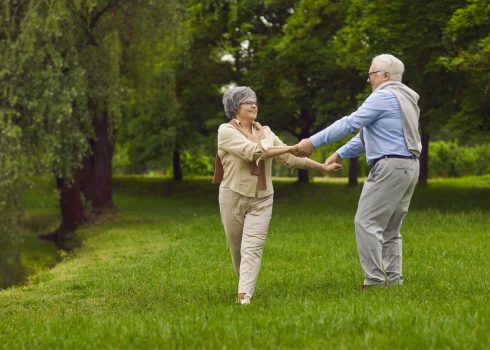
[{"x": 334, "y": 158}]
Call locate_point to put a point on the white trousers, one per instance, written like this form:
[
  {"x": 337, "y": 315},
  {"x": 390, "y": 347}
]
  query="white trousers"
[
  {"x": 246, "y": 222},
  {"x": 383, "y": 204}
]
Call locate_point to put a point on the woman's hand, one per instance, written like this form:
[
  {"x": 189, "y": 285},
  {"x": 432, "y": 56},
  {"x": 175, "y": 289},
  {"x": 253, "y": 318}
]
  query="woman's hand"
[{"x": 295, "y": 151}]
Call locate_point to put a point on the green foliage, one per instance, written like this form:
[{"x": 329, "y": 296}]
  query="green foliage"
[
  {"x": 153, "y": 116},
  {"x": 467, "y": 34},
  {"x": 196, "y": 164},
  {"x": 65, "y": 67},
  {"x": 414, "y": 32},
  {"x": 448, "y": 159},
  {"x": 13, "y": 180},
  {"x": 38, "y": 131},
  {"x": 295, "y": 74},
  {"x": 156, "y": 69}
]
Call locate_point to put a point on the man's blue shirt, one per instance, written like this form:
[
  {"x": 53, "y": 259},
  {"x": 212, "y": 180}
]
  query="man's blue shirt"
[{"x": 381, "y": 118}]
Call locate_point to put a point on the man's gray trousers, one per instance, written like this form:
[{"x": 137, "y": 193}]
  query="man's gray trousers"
[{"x": 384, "y": 202}]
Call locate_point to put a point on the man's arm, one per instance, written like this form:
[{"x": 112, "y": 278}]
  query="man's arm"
[
  {"x": 334, "y": 158},
  {"x": 369, "y": 111},
  {"x": 327, "y": 168},
  {"x": 351, "y": 149}
]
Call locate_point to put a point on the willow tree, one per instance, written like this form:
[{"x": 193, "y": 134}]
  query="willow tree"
[
  {"x": 108, "y": 38},
  {"x": 63, "y": 66},
  {"x": 38, "y": 131}
]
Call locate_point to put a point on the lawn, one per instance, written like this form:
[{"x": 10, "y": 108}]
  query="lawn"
[{"x": 159, "y": 275}]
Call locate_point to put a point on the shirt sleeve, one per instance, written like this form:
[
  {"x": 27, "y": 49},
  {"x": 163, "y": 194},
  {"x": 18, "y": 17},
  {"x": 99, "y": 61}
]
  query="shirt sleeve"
[
  {"x": 369, "y": 112},
  {"x": 231, "y": 141},
  {"x": 352, "y": 148},
  {"x": 287, "y": 159}
]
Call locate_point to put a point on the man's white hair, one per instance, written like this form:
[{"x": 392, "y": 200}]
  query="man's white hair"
[{"x": 389, "y": 63}]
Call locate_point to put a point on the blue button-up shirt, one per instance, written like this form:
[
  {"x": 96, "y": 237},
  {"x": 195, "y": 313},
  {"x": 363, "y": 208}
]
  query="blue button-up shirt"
[{"x": 381, "y": 118}]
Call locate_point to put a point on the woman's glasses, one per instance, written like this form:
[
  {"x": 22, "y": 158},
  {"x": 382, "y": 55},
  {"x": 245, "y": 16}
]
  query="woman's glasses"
[{"x": 249, "y": 103}]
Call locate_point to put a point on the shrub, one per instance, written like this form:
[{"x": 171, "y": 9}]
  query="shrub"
[{"x": 448, "y": 159}]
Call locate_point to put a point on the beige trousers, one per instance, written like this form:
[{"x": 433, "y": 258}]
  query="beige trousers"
[{"x": 246, "y": 221}]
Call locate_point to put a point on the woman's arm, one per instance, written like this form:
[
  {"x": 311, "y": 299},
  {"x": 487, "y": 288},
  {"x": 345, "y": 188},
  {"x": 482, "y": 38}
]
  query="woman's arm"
[
  {"x": 229, "y": 140},
  {"x": 274, "y": 151}
]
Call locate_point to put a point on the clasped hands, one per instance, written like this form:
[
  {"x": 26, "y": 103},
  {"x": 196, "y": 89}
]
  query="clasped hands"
[{"x": 305, "y": 148}]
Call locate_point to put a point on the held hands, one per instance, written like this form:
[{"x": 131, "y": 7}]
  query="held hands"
[
  {"x": 295, "y": 151},
  {"x": 332, "y": 164},
  {"x": 304, "y": 148},
  {"x": 332, "y": 167}
]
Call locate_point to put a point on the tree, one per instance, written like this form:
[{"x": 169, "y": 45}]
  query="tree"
[
  {"x": 412, "y": 31},
  {"x": 303, "y": 87},
  {"x": 170, "y": 111},
  {"x": 65, "y": 64},
  {"x": 36, "y": 104},
  {"x": 468, "y": 42}
]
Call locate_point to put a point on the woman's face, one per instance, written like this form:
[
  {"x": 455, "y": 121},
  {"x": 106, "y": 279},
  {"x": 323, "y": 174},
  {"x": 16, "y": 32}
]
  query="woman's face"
[{"x": 248, "y": 110}]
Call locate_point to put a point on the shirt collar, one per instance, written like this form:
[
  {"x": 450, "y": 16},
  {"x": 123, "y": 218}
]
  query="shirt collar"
[{"x": 254, "y": 130}]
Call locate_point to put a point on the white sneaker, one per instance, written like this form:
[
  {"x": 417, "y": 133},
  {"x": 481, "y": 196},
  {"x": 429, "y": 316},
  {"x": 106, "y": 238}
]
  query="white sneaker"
[{"x": 245, "y": 300}]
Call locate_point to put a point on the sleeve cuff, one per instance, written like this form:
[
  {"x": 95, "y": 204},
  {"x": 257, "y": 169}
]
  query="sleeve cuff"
[
  {"x": 263, "y": 147},
  {"x": 342, "y": 153},
  {"x": 300, "y": 162},
  {"x": 316, "y": 140},
  {"x": 262, "y": 150}
]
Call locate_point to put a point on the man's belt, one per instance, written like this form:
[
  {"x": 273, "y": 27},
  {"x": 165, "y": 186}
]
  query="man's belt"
[{"x": 393, "y": 156}]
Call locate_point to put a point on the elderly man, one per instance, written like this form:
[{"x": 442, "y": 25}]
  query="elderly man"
[{"x": 388, "y": 124}]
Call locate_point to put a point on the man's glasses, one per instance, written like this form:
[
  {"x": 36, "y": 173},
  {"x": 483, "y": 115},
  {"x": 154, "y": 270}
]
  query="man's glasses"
[
  {"x": 249, "y": 103},
  {"x": 371, "y": 73}
]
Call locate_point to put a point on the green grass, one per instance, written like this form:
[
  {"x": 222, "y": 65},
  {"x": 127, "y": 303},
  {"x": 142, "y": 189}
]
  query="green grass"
[{"x": 160, "y": 276}]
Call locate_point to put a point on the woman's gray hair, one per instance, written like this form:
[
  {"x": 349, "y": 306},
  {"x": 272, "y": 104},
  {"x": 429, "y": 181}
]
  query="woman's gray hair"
[
  {"x": 233, "y": 97},
  {"x": 389, "y": 63}
]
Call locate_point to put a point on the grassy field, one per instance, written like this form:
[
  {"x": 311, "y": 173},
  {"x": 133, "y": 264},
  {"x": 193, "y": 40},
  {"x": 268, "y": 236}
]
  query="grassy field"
[{"x": 159, "y": 275}]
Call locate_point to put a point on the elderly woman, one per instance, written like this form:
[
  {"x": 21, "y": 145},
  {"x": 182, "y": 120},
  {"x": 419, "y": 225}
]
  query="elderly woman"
[{"x": 243, "y": 166}]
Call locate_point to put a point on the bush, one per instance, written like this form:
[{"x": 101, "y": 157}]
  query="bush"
[
  {"x": 196, "y": 164},
  {"x": 448, "y": 159}
]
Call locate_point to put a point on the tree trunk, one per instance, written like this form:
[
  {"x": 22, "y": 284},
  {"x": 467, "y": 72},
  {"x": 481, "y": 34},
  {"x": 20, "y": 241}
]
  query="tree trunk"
[
  {"x": 97, "y": 179},
  {"x": 88, "y": 177},
  {"x": 303, "y": 176},
  {"x": 424, "y": 156},
  {"x": 177, "y": 167},
  {"x": 72, "y": 211},
  {"x": 353, "y": 171}
]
